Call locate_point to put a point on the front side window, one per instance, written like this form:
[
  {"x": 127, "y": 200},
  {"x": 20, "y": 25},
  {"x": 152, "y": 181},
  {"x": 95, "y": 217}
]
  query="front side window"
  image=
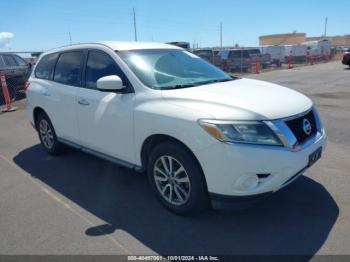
[
  {"x": 98, "y": 65},
  {"x": 46, "y": 65},
  {"x": 20, "y": 61},
  {"x": 171, "y": 68},
  {"x": 68, "y": 68}
]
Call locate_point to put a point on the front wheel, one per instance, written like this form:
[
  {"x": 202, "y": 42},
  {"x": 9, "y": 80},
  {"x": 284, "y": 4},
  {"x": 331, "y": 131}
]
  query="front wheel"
[{"x": 177, "y": 179}]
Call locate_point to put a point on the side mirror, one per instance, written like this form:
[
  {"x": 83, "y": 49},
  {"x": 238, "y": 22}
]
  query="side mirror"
[{"x": 110, "y": 83}]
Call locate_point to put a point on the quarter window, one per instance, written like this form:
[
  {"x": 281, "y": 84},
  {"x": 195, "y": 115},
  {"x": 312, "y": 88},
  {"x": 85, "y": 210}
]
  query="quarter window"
[
  {"x": 68, "y": 68},
  {"x": 98, "y": 65},
  {"x": 46, "y": 65}
]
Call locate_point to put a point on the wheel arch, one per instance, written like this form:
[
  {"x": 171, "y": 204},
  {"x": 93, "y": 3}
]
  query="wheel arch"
[
  {"x": 153, "y": 140},
  {"x": 36, "y": 112}
]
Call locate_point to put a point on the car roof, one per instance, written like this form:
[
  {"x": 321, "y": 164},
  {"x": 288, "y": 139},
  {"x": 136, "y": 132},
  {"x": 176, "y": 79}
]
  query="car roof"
[{"x": 117, "y": 46}]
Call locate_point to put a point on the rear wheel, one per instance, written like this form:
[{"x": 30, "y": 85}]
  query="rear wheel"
[
  {"x": 177, "y": 179},
  {"x": 47, "y": 135}
]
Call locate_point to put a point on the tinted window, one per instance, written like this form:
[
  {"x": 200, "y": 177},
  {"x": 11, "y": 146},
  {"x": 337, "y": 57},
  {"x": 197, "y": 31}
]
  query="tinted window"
[
  {"x": 19, "y": 60},
  {"x": 9, "y": 60},
  {"x": 98, "y": 65},
  {"x": 68, "y": 68},
  {"x": 45, "y": 67},
  {"x": 239, "y": 54},
  {"x": 2, "y": 64}
]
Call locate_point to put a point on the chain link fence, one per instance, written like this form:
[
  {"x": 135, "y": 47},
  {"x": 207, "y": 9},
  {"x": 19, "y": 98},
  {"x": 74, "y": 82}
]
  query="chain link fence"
[{"x": 255, "y": 60}]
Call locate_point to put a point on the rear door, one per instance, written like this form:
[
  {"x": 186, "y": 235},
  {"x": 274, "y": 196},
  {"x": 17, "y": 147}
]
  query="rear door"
[
  {"x": 106, "y": 118},
  {"x": 62, "y": 92}
]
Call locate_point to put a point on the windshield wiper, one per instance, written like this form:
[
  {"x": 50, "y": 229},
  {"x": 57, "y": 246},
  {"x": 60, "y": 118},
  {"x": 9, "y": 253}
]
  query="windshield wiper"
[
  {"x": 178, "y": 86},
  {"x": 215, "y": 81}
]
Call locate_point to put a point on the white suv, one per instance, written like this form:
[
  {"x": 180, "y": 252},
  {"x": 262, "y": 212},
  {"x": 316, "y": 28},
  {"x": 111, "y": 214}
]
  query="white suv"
[{"x": 199, "y": 133}]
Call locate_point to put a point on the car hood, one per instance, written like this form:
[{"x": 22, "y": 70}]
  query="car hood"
[{"x": 242, "y": 99}]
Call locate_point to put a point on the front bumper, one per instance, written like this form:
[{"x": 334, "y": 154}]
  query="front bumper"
[{"x": 225, "y": 165}]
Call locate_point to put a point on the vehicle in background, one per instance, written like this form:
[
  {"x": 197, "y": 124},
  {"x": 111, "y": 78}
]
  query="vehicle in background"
[
  {"x": 265, "y": 59},
  {"x": 17, "y": 72},
  {"x": 277, "y": 53},
  {"x": 319, "y": 49},
  {"x": 208, "y": 54},
  {"x": 235, "y": 60},
  {"x": 346, "y": 57},
  {"x": 184, "y": 45},
  {"x": 298, "y": 53}
]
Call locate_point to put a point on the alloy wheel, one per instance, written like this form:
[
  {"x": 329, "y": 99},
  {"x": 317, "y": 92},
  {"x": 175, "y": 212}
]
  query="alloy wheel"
[{"x": 172, "y": 180}]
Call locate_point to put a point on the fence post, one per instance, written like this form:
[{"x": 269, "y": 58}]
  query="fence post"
[
  {"x": 257, "y": 65},
  {"x": 6, "y": 94},
  {"x": 290, "y": 66}
]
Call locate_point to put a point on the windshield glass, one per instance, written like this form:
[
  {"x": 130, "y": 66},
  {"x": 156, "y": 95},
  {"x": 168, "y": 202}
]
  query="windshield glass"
[{"x": 171, "y": 68}]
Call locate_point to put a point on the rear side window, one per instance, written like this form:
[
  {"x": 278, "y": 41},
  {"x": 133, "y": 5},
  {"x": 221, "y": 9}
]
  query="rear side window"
[
  {"x": 68, "y": 68},
  {"x": 239, "y": 54},
  {"x": 9, "y": 60},
  {"x": 19, "y": 60},
  {"x": 2, "y": 64},
  {"x": 46, "y": 65},
  {"x": 100, "y": 64}
]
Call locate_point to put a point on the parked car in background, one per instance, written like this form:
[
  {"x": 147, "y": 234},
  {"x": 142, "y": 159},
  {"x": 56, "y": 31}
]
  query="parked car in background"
[
  {"x": 208, "y": 54},
  {"x": 16, "y": 70},
  {"x": 346, "y": 57},
  {"x": 264, "y": 59},
  {"x": 235, "y": 60},
  {"x": 201, "y": 135}
]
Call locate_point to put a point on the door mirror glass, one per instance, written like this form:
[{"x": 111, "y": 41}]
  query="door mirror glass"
[{"x": 110, "y": 83}]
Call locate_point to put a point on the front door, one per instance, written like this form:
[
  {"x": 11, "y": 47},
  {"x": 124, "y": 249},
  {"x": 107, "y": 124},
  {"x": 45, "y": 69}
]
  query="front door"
[{"x": 105, "y": 119}]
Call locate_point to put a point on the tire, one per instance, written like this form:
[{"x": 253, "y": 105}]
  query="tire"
[
  {"x": 47, "y": 135},
  {"x": 190, "y": 180}
]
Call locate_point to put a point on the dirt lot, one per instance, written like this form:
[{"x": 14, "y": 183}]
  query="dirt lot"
[{"x": 77, "y": 204}]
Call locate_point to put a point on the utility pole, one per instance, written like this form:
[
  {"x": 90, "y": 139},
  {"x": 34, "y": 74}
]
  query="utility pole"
[
  {"x": 221, "y": 35},
  {"x": 325, "y": 26},
  {"x": 135, "y": 24}
]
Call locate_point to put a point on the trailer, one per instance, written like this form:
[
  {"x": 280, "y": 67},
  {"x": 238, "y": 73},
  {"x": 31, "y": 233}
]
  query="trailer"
[
  {"x": 297, "y": 51},
  {"x": 319, "y": 49},
  {"x": 276, "y": 53}
]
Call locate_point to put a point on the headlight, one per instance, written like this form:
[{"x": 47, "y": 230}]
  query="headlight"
[{"x": 251, "y": 132}]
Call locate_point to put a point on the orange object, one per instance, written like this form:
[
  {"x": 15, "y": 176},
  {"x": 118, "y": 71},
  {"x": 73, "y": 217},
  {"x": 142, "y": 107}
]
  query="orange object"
[
  {"x": 6, "y": 94},
  {"x": 257, "y": 65}
]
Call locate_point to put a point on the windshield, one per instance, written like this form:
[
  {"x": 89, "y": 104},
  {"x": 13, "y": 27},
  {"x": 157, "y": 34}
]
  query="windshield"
[{"x": 171, "y": 68}]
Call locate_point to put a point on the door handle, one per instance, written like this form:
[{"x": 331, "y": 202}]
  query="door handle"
[{"x": 83, "y": 102}]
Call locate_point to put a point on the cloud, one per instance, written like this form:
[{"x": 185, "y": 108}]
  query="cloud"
[{"x": 5, "y": 38}]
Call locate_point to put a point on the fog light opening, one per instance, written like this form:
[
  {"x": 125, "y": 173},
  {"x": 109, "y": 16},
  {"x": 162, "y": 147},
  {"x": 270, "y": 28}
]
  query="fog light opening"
[{"x": 248, "y": 182}]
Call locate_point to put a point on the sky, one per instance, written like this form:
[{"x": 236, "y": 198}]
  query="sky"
[{"x": 37, "y": 25}]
